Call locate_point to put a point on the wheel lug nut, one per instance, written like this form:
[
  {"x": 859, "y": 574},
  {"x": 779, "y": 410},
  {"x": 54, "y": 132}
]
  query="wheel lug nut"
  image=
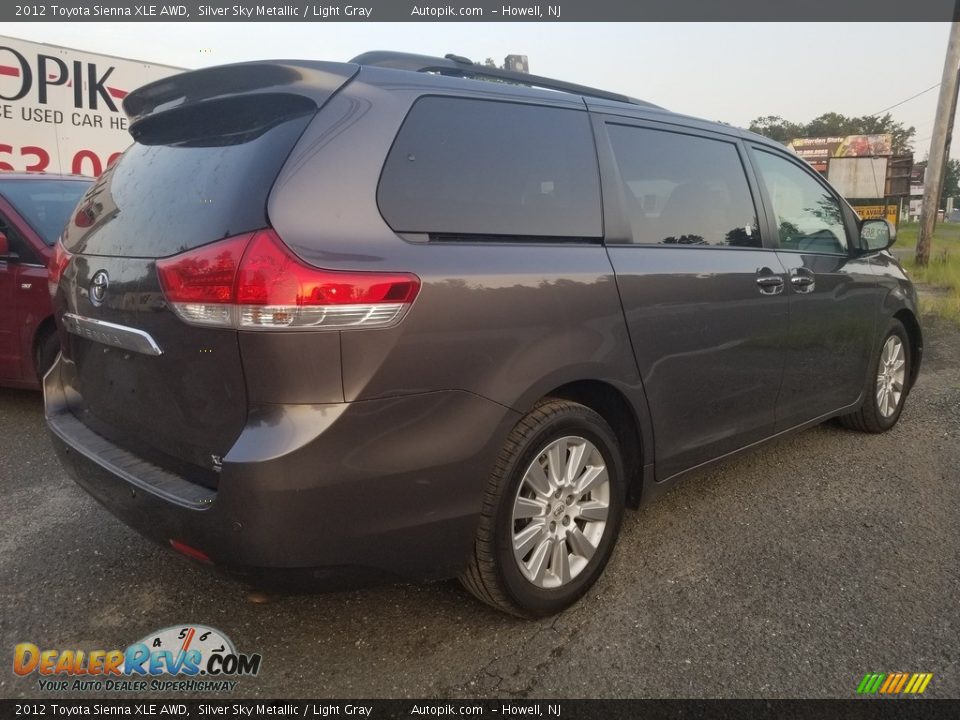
[
  {"x": 553, "y": 525},
  {"x": 566, "y": 519},
  {"x": 557, "y": 495},
  {"x": 570, "y": 499}
]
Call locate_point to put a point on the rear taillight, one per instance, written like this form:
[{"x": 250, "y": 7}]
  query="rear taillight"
[
  {"x": 254, "y": 282},
  {"x": 200, "y": 284},
  {"x": 58, "y": 263}
]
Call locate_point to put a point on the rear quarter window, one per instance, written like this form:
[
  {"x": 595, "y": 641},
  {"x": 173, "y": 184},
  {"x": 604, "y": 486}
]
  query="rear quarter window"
[{"x": 482, "y": 169}]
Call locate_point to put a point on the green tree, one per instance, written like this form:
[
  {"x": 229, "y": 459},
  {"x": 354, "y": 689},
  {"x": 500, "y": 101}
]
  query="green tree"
[
  {"x": 776, "y": 128},
  {"x": 829, "y": 124},
  {"x": 951, "y": 182}
]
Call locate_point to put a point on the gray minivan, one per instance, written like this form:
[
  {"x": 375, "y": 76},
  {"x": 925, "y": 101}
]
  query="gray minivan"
[{"x": 387, "y": 319}]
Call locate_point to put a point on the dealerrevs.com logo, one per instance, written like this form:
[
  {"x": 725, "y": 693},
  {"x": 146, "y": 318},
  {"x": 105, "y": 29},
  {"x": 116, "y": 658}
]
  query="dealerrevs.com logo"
[{"x": 186, "y": 658}]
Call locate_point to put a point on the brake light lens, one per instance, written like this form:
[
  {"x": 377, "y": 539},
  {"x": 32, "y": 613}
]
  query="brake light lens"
[
  {"x": 254, "y": 281},
  {"x": 58, "y": 263},
  {"x": 200, "y": 284}
]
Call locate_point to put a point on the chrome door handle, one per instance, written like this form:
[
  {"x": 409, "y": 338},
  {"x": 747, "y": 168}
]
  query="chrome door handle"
[
  {"x": 770, "y": 284},
  {"x": 802, "y": 283}
]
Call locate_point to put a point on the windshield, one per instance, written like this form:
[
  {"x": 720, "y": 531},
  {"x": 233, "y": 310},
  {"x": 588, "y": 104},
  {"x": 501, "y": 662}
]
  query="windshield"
[{"x": 45, "y": 204}]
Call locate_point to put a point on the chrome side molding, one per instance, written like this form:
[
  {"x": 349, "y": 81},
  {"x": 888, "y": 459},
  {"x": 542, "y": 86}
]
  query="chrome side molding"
[{"x": 107, "y": 333}]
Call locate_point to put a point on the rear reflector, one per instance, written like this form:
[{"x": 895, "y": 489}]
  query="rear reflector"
[
  {"x": 190, "y": 552},
  {"x": 254, "y": 282},
  {"x": 58, "y": 263}
]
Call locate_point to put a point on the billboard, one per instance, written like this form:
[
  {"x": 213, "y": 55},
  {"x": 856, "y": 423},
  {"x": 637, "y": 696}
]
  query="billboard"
[
  {"x": 871, "y": 212},
  {"x": 858, "y": 177},
  {"x": 818, "y": 151},
  {"x": 60, "y": 108}
]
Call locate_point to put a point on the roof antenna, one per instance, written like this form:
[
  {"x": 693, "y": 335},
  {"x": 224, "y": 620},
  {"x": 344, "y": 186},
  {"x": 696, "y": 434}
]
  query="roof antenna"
[{"x": 458, "y": 59}]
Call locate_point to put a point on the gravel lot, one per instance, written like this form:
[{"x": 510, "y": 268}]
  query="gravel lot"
[{"x": 789, "y": 572}]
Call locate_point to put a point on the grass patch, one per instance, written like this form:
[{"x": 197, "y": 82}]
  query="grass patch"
[{"x": 942, "y": 273}]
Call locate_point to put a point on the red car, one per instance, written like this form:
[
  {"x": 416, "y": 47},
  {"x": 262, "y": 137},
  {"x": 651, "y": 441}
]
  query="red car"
[{"x": 33, "y": 210}]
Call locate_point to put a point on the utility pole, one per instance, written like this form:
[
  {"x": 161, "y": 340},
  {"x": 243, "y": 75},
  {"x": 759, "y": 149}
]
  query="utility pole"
[
  {"x": 937, "y": 162},
  {"x": 950, "y": 124}
]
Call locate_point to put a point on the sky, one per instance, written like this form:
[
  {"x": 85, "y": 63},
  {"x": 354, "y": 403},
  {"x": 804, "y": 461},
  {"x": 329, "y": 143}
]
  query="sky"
[{"x": 732, "y": 72}]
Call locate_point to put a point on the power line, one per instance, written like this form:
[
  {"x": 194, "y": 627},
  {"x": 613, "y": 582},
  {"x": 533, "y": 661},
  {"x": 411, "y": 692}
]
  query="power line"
[{"x": 904, "y": 101}]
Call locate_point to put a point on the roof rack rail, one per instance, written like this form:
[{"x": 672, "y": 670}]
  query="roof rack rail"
[{"x": 458, "y": 66}]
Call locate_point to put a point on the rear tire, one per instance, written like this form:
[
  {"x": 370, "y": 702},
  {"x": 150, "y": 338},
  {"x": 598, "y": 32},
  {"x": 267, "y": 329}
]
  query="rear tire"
[
  {"x": 887, "y": 386},
  {"x": 551, "y": 512},
  {"x": 47, "y": 349}
]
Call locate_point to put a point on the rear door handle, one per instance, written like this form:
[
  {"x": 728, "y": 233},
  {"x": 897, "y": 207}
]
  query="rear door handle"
[{"x": 802, "y": 283}]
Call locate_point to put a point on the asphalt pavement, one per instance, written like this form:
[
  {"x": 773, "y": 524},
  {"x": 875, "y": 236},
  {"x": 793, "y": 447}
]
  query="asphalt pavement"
[{"x": 789, "y": 572}]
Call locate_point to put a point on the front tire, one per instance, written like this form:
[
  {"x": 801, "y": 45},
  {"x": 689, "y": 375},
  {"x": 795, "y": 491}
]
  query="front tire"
[
  {"x": 551, "y": 512},
  {"x": 888, "y": 384}
]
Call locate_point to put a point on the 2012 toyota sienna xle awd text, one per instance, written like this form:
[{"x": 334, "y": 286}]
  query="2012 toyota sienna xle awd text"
[{"x": 385, "y": 318}]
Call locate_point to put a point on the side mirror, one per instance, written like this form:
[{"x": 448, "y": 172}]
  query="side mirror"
[
  {"x": 5, "y": 248},
  {"x": 876, "y": 235}
]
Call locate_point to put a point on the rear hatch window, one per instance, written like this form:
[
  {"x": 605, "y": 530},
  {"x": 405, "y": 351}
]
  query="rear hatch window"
[{"x": 193, "y": 177}]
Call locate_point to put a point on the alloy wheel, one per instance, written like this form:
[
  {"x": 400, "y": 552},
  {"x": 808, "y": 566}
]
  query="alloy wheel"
[
  {"x": 560, "y": 512},
  {"x": 890, "y": 376}
]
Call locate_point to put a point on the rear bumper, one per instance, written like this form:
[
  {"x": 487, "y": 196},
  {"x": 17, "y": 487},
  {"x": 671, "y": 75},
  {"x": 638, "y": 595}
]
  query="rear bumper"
[{"x": 388, "y": 487}]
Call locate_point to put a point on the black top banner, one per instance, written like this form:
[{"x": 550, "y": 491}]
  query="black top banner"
[
  {"x": 545, "y": 709},
  {"x": 482, "y": 11}
]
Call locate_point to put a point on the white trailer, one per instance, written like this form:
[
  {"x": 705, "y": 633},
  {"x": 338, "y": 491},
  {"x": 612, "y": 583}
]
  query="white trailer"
[{"x": 60, "y": 108}]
